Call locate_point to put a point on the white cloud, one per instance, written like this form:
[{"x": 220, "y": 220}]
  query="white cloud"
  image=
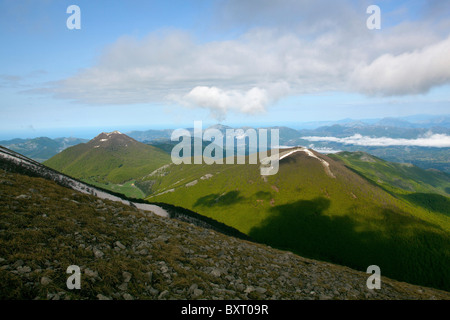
[
  {"x": 220, "y": 102},
  {"x": 290, "y": 48},
  {"x": 407, "y": 73},
  {"x": 428, "y": 140},
  {"x": 171, "y": 67}
]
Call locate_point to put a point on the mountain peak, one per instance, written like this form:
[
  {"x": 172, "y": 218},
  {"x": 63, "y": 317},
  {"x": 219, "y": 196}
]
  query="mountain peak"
[
  {"x": 115, "y": 138},
  {"x": 114, "y": 132}
]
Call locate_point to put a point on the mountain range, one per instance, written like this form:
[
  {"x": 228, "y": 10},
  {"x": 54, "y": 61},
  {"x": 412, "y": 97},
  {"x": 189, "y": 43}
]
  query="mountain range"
[
  {"x": 396, "y": 138},
  {"x": 123, "y": 252},
  {"x": 324, "y": 136},
  {"x": 415, "y": 121},
  {"x": 348, "y": 208}
]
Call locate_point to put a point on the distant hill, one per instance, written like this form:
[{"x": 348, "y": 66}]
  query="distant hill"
[
  {"x": 155, "y": 136},
  {"x": 395, "y": 128},
  {"x": 394, "y": 122},
  {"x": 415, "y": 121},
  {"x": 109, "y": 160},
  {"x": 317, "y": 207},
  {"x": 150, "y": 135},
  {"x": 41, "y": 149}
]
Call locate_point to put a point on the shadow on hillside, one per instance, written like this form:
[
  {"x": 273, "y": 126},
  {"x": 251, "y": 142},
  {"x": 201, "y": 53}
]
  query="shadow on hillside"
[
  {"x": 402, "y": 247},
  {"x": 303, "y": 228},
  {"x": 264, "y": 195},
  {"x": 227, "y": 199},
  {"x": 431, "y": 201}
]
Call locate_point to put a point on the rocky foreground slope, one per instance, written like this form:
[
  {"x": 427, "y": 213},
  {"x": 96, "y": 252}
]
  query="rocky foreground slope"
[{"x": 127, "y": 253}]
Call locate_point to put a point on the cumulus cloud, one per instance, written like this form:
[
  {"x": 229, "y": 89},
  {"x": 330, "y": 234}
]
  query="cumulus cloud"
[
  {"x": 429, "y": 140},
  {"x": 260, "y": 65},
  {"x": 407, "y": 73},
  {"x": 289, "y": 48},
  {"x": 220, "y": 102}
]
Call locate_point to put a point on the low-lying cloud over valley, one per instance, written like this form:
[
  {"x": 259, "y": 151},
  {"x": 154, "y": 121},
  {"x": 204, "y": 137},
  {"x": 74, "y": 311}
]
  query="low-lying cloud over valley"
[{"x": 429, "y": 140}]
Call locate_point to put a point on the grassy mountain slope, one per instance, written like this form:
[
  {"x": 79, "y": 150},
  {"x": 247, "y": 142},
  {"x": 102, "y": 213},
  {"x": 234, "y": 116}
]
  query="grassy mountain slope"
[
  {"x": 429, "y": 189},
  {"x": 110, "y": 160},
  {"x": 124, "y": 253},
  {"x": 396, "y": 177},
  {"x": 342, "y": 218}
]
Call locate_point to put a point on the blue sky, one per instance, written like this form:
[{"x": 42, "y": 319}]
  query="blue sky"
[{"x": 157, "y": 64}]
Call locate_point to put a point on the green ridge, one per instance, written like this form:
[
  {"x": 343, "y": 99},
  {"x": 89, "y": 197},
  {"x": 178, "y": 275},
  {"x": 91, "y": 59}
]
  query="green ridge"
[{"x": 348, "y": 219}]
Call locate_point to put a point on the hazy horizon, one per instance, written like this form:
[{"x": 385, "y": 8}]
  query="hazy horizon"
[{"x": 91, "y": 132}]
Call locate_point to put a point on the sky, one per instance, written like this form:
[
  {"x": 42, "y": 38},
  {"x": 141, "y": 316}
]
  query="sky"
[{"x": 165, "y": 64}]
